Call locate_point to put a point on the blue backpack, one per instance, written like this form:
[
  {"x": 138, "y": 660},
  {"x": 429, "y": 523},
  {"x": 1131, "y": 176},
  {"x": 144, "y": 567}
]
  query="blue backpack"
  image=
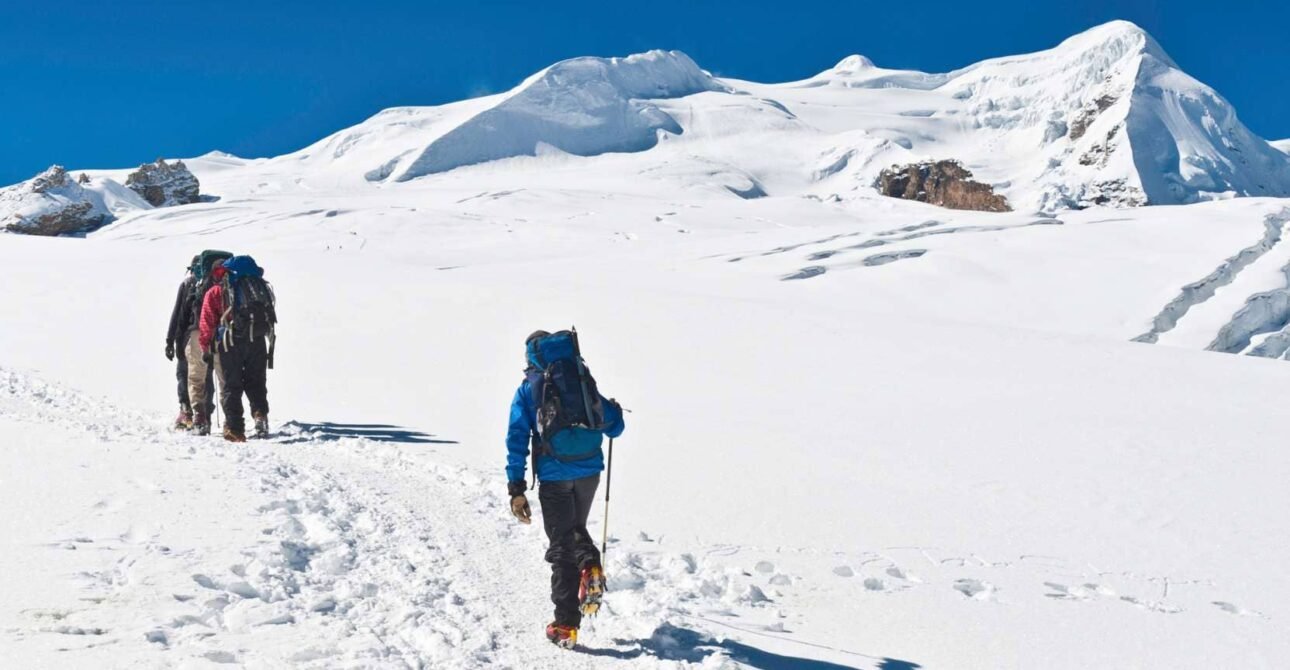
[
  {"x": 570, "y": 415},
  {"x": 252, "y": 311}
]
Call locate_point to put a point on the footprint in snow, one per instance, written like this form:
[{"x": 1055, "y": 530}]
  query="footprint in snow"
[
  {"x": 220, "y": 657},
  {"x": 205, "y": 582},
  {"x": 874, "y": 584},
  {"x": 844, "y": 571},
  {"x": 1233, "y": 609},
  {"x": 975, "y": 589},
  {"x": 1154, "y": 606},
  {"x": 897, "y": 573},
  {"x": 764, "y": 567},
  {"x": 1080, "y": 592}
]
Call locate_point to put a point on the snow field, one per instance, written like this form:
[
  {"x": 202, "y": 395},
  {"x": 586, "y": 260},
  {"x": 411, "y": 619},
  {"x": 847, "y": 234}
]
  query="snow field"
[
  {"x": 865, "y": 432},
  {"x": 788, "y": 517}
]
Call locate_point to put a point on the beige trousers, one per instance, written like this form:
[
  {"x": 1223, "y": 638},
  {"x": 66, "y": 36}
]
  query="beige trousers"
[{"x": 197, "y": 369}]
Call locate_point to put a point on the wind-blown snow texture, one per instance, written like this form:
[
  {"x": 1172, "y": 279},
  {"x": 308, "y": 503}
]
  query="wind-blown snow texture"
[{"x": 936, "y": 446}]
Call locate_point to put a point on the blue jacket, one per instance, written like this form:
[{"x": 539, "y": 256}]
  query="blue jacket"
[{"x": 549, "y": 469}]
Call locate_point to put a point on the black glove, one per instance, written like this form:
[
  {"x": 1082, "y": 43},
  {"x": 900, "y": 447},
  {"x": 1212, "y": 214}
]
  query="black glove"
[
  {"x": 208, "y": 357},
  {"x": 170, "y": 351},
  {"x": 517, "y": 487}
]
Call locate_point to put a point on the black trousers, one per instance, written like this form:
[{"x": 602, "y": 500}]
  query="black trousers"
[
  {"x": 181, "y": 375},
  {"x": 565, "y": 506},
  {"x": 243, "y": 368}
]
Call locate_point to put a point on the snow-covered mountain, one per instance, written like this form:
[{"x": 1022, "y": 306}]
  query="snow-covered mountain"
[
  {"x": 1104, "y": 118},
  {"x": 866, "y": 432}
]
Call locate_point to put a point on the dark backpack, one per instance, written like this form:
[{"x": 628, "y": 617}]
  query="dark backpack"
[
  {"x": 251, "y": 309},
  {"x": 202, "y": 278},
  {"x": 570, "y": 415}
]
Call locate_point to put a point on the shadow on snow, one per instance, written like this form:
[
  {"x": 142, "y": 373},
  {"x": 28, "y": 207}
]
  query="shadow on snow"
[
  {"x": 326, "y": 431},
  {"x": 671, "y": 643}
]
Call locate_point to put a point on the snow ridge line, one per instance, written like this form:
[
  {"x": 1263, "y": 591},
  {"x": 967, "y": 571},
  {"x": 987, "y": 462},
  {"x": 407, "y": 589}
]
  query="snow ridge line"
[
  {"x": 1265, "y": 312},
  {"x": 1202, "y": 290}
]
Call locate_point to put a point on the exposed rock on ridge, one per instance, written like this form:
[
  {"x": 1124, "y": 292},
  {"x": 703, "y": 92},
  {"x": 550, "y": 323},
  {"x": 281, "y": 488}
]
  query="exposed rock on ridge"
[
  {"x": 51, "y": 204},
  {"x": 945, "y": 183},
  {"x": 165, "y": 184}
]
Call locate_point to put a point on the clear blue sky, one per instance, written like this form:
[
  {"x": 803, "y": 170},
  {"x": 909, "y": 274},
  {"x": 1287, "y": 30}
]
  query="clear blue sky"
[{"x": 113, "y": 84}]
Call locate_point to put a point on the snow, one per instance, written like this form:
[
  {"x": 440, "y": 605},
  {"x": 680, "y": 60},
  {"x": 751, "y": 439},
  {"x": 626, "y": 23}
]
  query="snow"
[
  {"x": 935, "y": 446},
  {"x": 1282, "y": 145},
  {"x": 1105, "y": 117},
  {"x": 983, "y": 451},
  {"x": 583, "y": 106},
  {"x": 103, "y": 199}
]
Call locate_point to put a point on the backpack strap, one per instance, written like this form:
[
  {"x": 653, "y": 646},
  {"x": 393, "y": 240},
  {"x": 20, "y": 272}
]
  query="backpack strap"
[
  {"x": 533, "y": 378},
  {"x": 225, "y": 321}
]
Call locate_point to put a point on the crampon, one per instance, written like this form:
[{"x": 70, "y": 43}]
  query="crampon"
[{"x": 591, "y": 586}]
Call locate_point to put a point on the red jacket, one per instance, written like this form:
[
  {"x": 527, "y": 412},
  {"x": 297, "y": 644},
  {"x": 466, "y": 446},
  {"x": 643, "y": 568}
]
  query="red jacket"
[{"x": 212, "y": 311}]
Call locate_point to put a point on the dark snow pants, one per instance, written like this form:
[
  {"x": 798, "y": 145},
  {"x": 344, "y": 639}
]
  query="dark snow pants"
[
  {"x": 565, "y": 506},
  {"x": 243, "y": 368},
  {"x": 181, "y": 375}
]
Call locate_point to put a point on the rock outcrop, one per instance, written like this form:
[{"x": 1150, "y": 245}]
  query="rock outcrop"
[
  {"x": 51, "y": 204},
  {"x": 945, "y": 183},
  {"x": 165, "y": 184}
]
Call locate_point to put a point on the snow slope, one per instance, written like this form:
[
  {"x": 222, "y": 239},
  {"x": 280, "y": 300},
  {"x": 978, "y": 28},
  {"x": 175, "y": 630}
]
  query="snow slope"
[
  {"x": 1105, "y": 117},
  {"x": 1040, "y": 482},
  {"x": 584, "y": 106},
  {"x": 866, "y": 433}
]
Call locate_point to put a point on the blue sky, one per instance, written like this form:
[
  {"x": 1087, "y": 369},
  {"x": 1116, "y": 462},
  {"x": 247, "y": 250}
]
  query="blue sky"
[{"x": 99, "y": 84}]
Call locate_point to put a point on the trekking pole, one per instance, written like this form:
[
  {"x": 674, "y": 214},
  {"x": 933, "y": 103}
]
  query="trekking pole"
[{"x": 609, "y": 478}]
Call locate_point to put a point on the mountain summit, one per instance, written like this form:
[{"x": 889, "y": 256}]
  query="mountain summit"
[{"x": 1106, "y": 118}]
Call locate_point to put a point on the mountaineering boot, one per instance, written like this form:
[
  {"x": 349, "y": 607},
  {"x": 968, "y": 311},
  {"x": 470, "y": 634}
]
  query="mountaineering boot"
[
  {"x": 591, "y": 586},
  {"x": 261, "y": 425},
  {"x": 185, "y": 419},
  {"x": 233, "y": 435},
  {"x": 202, "y": 424},
  {"x": 565, "y": 637}
]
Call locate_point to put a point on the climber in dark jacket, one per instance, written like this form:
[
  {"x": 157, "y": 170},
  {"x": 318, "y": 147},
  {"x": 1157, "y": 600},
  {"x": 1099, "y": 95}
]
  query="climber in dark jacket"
[{"x": 182, "y": 322}]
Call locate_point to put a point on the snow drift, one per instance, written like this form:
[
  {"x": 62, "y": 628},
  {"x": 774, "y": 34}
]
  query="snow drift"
[{"x": 583, "y": 106}]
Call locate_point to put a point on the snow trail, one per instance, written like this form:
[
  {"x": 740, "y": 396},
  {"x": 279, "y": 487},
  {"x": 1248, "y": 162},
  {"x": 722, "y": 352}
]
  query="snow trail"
[{"x": 350, "y": 552}]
